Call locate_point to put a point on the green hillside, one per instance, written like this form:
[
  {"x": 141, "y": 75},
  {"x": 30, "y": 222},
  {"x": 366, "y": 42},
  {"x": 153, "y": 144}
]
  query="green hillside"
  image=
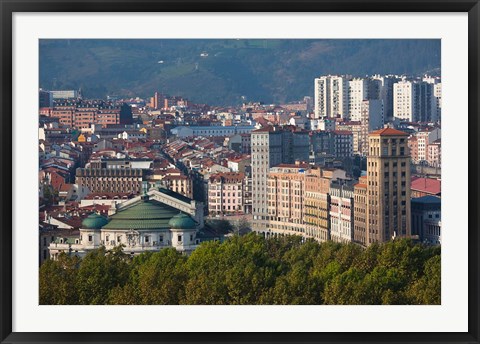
[{"x": 222, "y": 71}]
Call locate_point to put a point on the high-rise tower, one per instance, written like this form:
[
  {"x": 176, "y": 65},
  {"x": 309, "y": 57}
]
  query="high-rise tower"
[{"x": 388, "y": 186}]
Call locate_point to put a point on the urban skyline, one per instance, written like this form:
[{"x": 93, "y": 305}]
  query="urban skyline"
[{"x": 358, "y": 164}]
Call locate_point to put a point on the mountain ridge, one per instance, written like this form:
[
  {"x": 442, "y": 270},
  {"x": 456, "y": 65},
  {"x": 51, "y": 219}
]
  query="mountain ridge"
[{"x": 224, "y": 71}]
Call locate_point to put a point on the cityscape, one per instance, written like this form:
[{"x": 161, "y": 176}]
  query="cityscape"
[{"x": 155, "y": 197}]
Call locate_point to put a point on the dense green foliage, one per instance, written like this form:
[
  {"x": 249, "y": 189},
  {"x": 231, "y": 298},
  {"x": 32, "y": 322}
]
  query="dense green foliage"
[
  {"x": 261, "y": 70},
  {"x": 249, "y": 270}
]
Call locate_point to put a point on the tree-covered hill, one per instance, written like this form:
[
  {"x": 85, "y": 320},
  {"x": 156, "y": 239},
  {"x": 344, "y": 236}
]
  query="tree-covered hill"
[
  {"x": 250, "y": 270},
  {"x": 221, "y": 71}
]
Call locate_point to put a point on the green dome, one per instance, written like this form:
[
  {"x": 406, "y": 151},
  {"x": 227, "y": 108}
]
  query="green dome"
[
  {"x": 182, "y": 221},
  {"x": 94, "y": 221},
  {"x": 151, "y": 215}
]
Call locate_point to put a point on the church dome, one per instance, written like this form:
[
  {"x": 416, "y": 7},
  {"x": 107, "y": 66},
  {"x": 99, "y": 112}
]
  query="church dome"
[
  {"x": 182, "y": 221},
  {"x": 94, "y": 221}
]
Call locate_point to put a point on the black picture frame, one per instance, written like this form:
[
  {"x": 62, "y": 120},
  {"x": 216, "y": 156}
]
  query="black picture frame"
[{"x": 8, "y": 7}]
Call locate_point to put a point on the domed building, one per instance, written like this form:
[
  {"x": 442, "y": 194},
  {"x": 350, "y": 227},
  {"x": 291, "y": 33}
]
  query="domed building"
[{"x": 146, "y": 223}]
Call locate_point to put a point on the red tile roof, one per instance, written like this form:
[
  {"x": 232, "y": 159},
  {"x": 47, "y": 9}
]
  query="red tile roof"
[
  {"x": 426, "y": 185},
  {"x": 388, "y": 132}
]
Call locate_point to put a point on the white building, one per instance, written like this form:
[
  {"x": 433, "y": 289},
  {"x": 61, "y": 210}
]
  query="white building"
[
  {"x": 357, "y": 93},
  {"x": 149, "y": 222},
  {"x": 331, "y": 96},
  {"x": 416, "y": 101},
  {"x": 341, "y": 213},
  {"x": 424, "y": 139},
  {"x": 385, "y": 93},
  {"x": 404, "y": 101},
  {"x": 321, "y": 124}
]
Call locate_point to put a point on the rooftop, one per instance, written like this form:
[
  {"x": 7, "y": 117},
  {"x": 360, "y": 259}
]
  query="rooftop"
[
  {"x": 143, "y": 215},
  {"x": 388, "y": 132},
  {"x": 427, "y": 185}
]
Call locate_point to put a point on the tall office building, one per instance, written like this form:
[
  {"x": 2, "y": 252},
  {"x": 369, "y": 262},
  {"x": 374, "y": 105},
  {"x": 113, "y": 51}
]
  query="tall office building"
[
  {"x": 331, "y": 96},
  {"x": 45, "y": 99},
  {"x": 385, "y": 93},
  {"x": 272, "y": 146},
  {"x": 427, "y": 105},
  {"x": 414, "y": 101},
  {"x": 437, "y": 93},
  {"x": 388, "y": 186},
  {"x": 156, "y": 102},
  {"x": 371, "y": 119},
  {"x": 357, "y": 93}
]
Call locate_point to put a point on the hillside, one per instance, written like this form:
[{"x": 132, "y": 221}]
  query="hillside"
[{"x": 220, "y": 72}]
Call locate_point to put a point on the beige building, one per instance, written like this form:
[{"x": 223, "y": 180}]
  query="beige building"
[
  {"x": 360, "y": 211},
  {"x": 180, "y": 184},
  {"x": 388, "y": 176},
  {"x": 285, "y": 194},
  {"x": 317, "y": 201}
]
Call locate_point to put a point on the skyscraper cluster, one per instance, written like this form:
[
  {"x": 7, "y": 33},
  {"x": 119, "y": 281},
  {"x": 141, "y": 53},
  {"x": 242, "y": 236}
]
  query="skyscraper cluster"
[
  {"x": 293, "y": 197},
  {"x": 402, "y": 98}
]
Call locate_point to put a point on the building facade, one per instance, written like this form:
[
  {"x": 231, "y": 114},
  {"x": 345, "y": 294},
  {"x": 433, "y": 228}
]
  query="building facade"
[
  {"x": 331, "y": 96},
  {"x": 357, "y": 93},
  {"x": 272, "y": 146},
  {"x": 285, "y": 194},
  {"x": 388, "y": 188},
  {"x": 360, "y": 211},
  {"x": 341, "y": 212},
  {"x": 147, "y": 223},
  {"x": 226, "y": 193},
  {"x": 99, "y": 180},
  {"x": 427, "y": 219}
]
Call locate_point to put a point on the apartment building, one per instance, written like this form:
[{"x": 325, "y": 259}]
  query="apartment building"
[
  {"x": 272, "y": 146},
  {"x": 285, "y": 195},
  {"x": 225, "y": 193},
  {"x": 357, "y": 93},
  {"x": 341, "y": 211},
  {"x": 331, "y": 96}
]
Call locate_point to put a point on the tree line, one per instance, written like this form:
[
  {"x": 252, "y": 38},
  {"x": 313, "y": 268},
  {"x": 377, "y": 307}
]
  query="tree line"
[{"x": 249, "y": 270}]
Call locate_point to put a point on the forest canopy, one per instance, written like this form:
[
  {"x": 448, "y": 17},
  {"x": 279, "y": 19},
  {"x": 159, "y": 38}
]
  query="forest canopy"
[{"x": 249, "y": 270}]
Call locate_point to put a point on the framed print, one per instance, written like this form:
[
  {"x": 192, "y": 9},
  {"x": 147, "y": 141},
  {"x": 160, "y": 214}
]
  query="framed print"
[{"x": 239, "y": 172}]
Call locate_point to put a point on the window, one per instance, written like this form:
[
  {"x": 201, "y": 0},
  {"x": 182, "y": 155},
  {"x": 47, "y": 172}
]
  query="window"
[
  {"x": 147, "y": 239},
  {"x": 119, "y": 238},
  {"x": 179, "y": 238},
  {"x": 90, "y": 238},
  {"x": 161, "y": 238},
  {"x": 191, "y": 237}
]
